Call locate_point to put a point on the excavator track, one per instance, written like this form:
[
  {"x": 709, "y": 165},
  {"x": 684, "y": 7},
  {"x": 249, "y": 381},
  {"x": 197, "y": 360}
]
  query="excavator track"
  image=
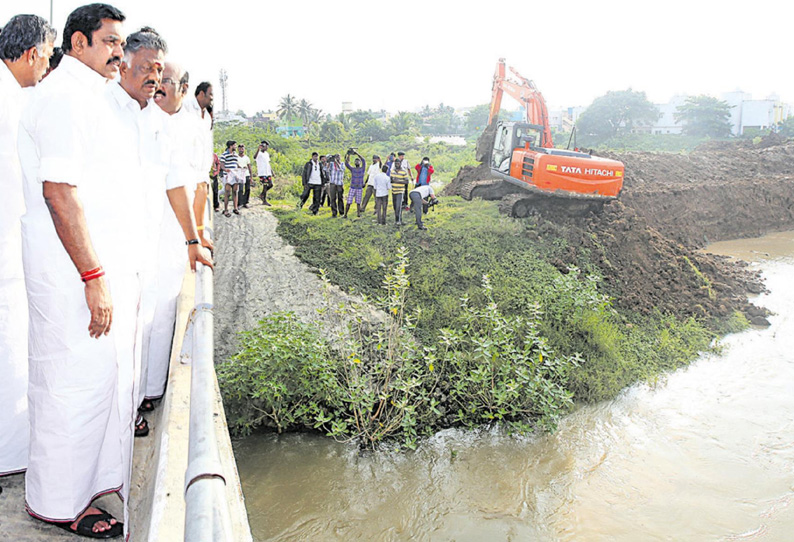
[{"x": 524, "y": 205}]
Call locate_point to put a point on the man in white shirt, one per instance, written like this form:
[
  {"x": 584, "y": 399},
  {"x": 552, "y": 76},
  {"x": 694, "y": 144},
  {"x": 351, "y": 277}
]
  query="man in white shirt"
[
  {"x": 245, "y": 164},
  {"x": 373, "y": 170},
  {"x": 420, "y": 196},
  {"x": 313, "y": 177},
  {"x": 198, "y": 105},
  {"x": 26, "y": 44},
  {"x": 262, "y": 158},
  {"x": 82, "y": 282},
  {"x": 185, "y": 157},
  {"x": 382, "y": 185},
  {"x": 168, "y": 202}
]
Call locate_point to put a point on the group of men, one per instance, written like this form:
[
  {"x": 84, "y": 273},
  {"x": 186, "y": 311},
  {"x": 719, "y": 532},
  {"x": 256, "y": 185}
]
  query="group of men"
[
  {"x": 103, "y": 169},
  {"x": 234, "y": 167},
  {"x": 323, "y": 179}
]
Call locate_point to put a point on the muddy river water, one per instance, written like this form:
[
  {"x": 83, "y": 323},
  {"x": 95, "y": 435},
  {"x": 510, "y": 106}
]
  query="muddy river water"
[{"x": 707, "y": 453}]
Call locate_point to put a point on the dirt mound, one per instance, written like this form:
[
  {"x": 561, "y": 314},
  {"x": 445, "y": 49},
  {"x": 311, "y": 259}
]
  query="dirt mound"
[
  {"x": 727, "y": 164},
  {"x": 465, "y": 175},
  {"x": 644, "y": 244},
  {"x": 644, "y": 270}
]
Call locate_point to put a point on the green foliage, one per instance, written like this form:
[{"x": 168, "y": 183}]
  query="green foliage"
[
  {"x": 376, "y": 383},
  {"x": 652, "y": 143},
  {"x": 786, "y": 128},
  {"x": 704, "y": 116},
  {"x": 617, "y": 112},
  {"x": 439, "y": 120},
  {"x": 477, "y": 119},
  {"x": 282, "y": 373},
  {"x": 571, "y": 311}
]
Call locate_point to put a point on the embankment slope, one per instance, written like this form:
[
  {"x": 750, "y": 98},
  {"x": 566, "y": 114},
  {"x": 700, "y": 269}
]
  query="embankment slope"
[{"x": 645, "y": 243}]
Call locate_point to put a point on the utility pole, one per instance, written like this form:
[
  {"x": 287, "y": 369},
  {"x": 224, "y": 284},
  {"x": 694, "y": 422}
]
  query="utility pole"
[
  {"x": 224, "y": 83},
  {"x": 51, "y": 1}
]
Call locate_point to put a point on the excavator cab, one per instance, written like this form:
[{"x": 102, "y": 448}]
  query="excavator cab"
[{"x": 510, "y": 136}]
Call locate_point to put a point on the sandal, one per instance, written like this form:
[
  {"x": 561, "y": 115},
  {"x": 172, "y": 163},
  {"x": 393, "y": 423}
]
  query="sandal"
[
  {"x": 236, "y": 212},
  {"x": 85, "y": 527},
  {"x": 142, "y": 428},
  {"x": 227, "y": 213},
  {"x": 146, "y": 406}
]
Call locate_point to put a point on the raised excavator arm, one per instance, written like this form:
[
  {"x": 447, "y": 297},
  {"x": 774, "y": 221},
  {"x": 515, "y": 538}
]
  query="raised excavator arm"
[{"x": 525, "y": 92}]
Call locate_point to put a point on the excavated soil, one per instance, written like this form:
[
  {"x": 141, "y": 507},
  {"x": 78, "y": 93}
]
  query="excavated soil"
[{"x": 646, "y": 243}]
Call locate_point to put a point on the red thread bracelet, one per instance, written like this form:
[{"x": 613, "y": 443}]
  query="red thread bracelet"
[{"x": 92, "y": 274}]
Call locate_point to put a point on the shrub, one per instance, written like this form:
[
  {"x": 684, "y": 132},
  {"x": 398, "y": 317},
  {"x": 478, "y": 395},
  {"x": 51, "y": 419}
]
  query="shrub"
[{"x": 376, "y": 383}]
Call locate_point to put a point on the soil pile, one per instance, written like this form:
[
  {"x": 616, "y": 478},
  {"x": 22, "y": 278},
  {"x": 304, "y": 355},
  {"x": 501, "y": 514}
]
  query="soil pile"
[
  {"x": 644, "y": 244},
  {"x": 644, "y": 270}
]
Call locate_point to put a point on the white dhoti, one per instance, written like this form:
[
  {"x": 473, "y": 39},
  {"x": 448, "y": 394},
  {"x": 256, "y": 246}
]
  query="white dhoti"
[
  {"x": 162, "y": 292},
  {"x": 14, "y": 428},
  {"x": 81, "y": 394}
]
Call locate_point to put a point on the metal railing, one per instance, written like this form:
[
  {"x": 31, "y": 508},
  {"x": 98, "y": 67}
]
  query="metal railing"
[{"x": 207, "y": 515}]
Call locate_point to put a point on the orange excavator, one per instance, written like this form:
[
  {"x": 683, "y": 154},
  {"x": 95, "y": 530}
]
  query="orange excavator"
[{"x": 523, "y": 155}]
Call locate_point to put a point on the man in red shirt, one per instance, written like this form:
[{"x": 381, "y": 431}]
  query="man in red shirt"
[{"x": 424, "y": 170}]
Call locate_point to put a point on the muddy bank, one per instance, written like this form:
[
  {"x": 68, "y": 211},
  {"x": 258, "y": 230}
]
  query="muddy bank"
[
  {"x": 257, "y": 273},
  {"x": 645, "y": 243},
  {"x": 721, "y": 191}
]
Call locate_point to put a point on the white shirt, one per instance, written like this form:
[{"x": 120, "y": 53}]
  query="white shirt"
[
  {"x": 68, "y": 134},
  {"x": 315, "y": 178},
  {"x": 373, "y": 170},
  {"x": 263, "y": 164},
  {"x": 12, "y": 101},
  {"x": 382, "y": 184},
  {"x": 424, "y": 191},
  {"x": 191, "y": 105},
  {"x": 243, "y": 161}
]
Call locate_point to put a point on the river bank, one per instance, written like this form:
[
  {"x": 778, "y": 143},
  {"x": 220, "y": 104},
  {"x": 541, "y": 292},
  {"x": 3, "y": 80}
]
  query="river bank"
[{"x": 705, "y": 454}]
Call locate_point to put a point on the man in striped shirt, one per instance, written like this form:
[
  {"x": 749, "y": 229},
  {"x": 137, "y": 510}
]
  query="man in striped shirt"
[
  {"x": 356, "y": 182},
  {"x": 336, "y": 185},
  {"x": 230, "y": 169}
]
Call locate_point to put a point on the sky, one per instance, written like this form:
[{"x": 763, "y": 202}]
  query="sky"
[{"x": 400, "y": 56}]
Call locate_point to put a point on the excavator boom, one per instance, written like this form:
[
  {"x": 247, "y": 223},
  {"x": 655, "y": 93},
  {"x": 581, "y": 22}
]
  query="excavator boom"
[{"x": 527, "y": 94}]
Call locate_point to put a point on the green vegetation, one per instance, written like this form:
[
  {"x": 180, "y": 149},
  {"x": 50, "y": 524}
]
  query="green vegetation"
[
  {"x": 482, "y": 329},
  {"x": 378, "y": 383},
  {"x": 704, "y": 116},
  {"x": 615, "y": 113}
]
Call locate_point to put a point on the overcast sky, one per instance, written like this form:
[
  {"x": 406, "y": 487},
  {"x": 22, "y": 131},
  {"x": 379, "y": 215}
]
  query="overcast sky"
[{"x": 575, "y": 51}]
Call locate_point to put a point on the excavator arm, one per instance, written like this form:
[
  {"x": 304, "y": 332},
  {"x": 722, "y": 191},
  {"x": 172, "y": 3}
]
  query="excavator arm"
[{"x": 525, "y": 92}]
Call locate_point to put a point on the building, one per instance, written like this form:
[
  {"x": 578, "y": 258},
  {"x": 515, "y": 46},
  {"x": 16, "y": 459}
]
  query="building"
[{"x": 749, "y": 114}]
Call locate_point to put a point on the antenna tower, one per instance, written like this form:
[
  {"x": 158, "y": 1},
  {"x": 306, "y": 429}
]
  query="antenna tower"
[{"x": 224, "y": 84}]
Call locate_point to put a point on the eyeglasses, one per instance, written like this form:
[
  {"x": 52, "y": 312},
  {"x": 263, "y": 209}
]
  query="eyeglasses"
[{"x": 168, "y": 81}]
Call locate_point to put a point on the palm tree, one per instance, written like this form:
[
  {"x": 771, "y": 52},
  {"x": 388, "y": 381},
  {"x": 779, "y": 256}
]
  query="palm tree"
[
  {"x": 345, "y": 121},
  {"x": 316, "y": 116},
  {"x": 287, "y": 108},
  {"x": 402, "y": 122},
  {"x": 305, "y": 111}
]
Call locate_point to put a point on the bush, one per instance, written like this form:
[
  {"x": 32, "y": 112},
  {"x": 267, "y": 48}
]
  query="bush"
[{"x": 376, "y": 383}]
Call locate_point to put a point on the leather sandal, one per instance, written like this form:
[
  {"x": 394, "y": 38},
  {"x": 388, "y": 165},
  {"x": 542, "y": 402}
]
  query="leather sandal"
[
  {"x": 85, "y": 527},
  {"x": 142, "y": 428}
]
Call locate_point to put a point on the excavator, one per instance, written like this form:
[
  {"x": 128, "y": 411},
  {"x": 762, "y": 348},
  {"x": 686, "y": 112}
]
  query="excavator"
[{"x": 539, "y": 177}]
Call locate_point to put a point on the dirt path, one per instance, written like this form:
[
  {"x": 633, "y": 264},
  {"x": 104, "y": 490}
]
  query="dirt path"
[{"x": 257, "y": 273}]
